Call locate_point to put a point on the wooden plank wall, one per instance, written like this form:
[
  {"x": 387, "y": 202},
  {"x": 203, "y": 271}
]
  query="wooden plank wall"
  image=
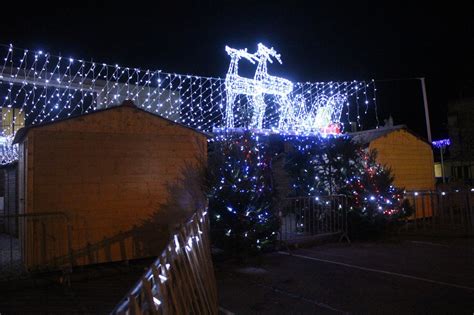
[
  {"x": 108, "y": 171},
  {"x": 411, "y": 161},
  {"x": 410, "y": 158}
]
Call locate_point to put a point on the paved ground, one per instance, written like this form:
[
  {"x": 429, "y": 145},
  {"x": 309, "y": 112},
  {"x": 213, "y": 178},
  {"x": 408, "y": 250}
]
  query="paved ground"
[
  {"x": 10, "y": 262},
  {"x": 94, "y": 290},
  {"x": 412, "y": 276},
  {"x": 404, "y": 277}
]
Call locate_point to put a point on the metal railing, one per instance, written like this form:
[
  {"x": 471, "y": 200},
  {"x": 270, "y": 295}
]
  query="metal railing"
[
  {"x": 181, "y": 280},
  {"x": 440, "y": 211},
  {"x": 306, "y": 217},
  {"x": 39, "y": 237}
]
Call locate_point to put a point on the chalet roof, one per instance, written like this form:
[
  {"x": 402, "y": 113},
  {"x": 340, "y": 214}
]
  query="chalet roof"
[
  {"x": 367, "y": 136},
  {"x": 21, "y": 134}
]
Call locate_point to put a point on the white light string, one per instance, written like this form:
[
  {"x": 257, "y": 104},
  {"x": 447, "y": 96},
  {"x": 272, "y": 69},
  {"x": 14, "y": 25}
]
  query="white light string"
[{"x": 40, "y": 87}]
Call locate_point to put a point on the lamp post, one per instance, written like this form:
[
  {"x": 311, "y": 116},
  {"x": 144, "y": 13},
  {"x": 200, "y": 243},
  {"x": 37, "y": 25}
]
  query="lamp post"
[
  {"x": 441, "y": 149},
  {"x": 441, "y": 145},
  {"x": 427, "y": 113}
]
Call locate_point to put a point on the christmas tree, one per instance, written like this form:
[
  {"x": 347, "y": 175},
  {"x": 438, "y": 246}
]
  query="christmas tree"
[
  {"x": 336, "y": 165},
  {"x": 241, "y": 198},
  {"x": 372, "y": 189},
  {"x": 320, "y": 165}
]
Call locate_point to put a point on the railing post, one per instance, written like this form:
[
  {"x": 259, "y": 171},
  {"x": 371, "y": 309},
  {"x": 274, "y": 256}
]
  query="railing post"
[
  {"x": 183, "y": 276},
  {"x": 11, "y": 252},
  {"x": 107, "y": 249},
  {"x": 89, "y": 253},
  {"x": 451, "y": 211},
  {"x": 161, "y": 289},
  {"x": 415, "y": 215},
  {"x": 149, "y": 296},
  {"x": 423, "y": 211},
  {"x": 433, "y": 213},
  {"x": 462, "y": 212},
  {"x": 134, "y": 308},
  {"x": 43, "y": 243},
  {"x": 442, "y": 209},
  {"x": 69, "y": 244},
  {"x": 470, "y": 215}
]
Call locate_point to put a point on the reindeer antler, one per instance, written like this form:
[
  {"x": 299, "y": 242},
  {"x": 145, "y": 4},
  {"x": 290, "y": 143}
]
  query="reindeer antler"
[
  {"x": 230, "y": 51},
  {"x": 241, "y": 53},
  {"x": 268, "y": 52},
  {"x": 250, "y": 57}
]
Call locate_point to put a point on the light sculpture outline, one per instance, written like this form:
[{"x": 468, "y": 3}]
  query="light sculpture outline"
[{"x": 295, "y": 115}]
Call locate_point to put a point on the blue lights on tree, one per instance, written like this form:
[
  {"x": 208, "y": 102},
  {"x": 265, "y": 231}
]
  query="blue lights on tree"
[{"x": 241, "y": 200}]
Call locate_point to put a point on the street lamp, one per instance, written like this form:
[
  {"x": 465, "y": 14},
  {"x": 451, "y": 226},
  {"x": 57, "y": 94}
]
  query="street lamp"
[{"x": 441, "y": 145}]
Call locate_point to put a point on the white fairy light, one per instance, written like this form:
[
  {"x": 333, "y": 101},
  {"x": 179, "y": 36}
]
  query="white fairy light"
[
  {"x": 236, "y": 84},
  {"x": 8, "y": 151},
  {"x": 255, "y": 88},
  {"x": 176, "y": 243},
  {"x": 293, "y": 114},
  {"x": 37, "y": 87}
]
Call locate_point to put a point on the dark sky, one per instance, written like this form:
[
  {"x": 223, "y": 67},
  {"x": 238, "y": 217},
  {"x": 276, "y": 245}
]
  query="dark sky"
[{"x": 318, "y": 40}]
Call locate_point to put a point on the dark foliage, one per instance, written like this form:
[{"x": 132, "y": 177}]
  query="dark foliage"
[
  {"x": 241, "y": 196},
  {"x": 328, "y": 166}
]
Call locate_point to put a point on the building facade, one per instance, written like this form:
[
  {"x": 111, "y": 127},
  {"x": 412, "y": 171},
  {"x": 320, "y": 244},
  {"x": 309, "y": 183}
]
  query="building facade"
[{"x": 459, "y": 167}]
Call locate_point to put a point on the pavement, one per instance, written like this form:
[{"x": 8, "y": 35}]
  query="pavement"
[
  {"x": 10, "y": 259},
  {"x": 94, "y": 290},
  {"x": 413, "y": 276}
]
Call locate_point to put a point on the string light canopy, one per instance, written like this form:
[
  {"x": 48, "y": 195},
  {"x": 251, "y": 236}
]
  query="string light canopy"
[{"x": 37, "y": 87}]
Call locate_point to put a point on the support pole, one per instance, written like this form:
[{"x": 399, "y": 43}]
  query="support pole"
[
  {"x": 427, "y": 114},
  {"x": 441, "y": 149}
]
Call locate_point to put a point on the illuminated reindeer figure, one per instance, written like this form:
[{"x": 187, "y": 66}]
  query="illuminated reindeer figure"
[
  {"x": 323, "y": 115},
  {"x": 272, "y": 85},
  {"x": 236, "y": 84},
  {"x": 256, "y": 88}
]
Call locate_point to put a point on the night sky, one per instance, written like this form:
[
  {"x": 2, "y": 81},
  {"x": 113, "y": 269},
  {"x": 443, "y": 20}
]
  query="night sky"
[{"x": 327, "y": 41}]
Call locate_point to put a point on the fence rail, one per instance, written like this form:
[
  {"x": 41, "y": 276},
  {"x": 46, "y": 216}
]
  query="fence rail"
[
  {"x": 306, "y": 217},
  {"x": 441, "y": 212},
  {"x": 181, "y": 280},
  {"x": 33, "y": 242}
]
